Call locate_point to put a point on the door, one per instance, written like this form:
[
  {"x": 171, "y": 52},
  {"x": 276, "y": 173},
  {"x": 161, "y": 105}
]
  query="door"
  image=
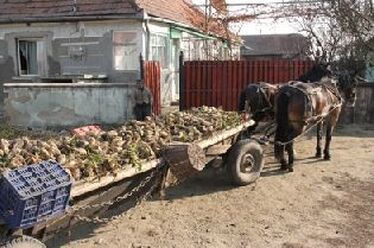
[{"x": 175, "y": 50}]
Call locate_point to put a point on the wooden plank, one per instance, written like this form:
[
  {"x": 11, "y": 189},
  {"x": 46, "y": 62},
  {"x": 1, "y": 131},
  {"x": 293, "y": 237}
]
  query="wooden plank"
[
  {"x": 210, "y": 84},
  {"x": 187, "y": 85},
  {"x": 192, "y": 85},
  {"x": 262, "y": 70},
  {"x": 158, "y": 88},
  {"x": 204, "y": 87},
  {"x": 223, "y": 135},
  {"x": 213, "y": 84},
  {"x": 276, "y": 71},
  {"x": 217, "y": 150},
  {"x": 220, "y": 79},
  {"x": 152, "y": 79},
  {"x": 266, "y": 71},
  {"x": 197, "y": 95},
  {"x": 233, "y": 85},
  {"x": 223, "y": 86},
  {"x": 255, "y": 71},
  {"x": 230, "y": 85},
  {"x": 251, "y": 72},
  {"x": 92, "y": 185}
]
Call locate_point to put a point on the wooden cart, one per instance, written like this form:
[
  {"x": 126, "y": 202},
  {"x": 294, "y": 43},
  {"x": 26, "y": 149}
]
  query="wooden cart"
[{"x": 243, "y": 159}]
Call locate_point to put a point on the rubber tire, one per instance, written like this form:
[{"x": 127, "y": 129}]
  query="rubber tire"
[
  {"x": 234, "y": 159},
  {"x": 23, "y": 242}
]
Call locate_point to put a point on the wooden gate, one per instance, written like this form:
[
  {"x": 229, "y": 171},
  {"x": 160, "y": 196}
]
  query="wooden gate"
[
  {"x": 152, "y": 80},
  {"x": 219, "y": 83}
]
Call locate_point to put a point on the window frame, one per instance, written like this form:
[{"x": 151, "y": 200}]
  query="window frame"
[
  {"x": 116, "y": 45},
  {"x": 31, "y": 39},
  {"x": 166, "y": 48}
]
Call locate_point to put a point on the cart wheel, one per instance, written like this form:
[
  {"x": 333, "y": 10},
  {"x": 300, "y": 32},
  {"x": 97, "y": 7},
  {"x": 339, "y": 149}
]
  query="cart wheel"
[
  {"x": 23, "y": 242},
  {"x": 245, "y": 162}
]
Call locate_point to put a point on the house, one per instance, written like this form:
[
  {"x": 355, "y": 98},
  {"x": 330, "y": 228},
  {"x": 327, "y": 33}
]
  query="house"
[
  {"x": 48, "y": 48},
  {"x": 274, "y": 46}
]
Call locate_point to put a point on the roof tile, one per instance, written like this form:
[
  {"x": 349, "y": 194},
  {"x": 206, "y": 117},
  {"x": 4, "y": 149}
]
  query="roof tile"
[{"x": 181, "y": 11}]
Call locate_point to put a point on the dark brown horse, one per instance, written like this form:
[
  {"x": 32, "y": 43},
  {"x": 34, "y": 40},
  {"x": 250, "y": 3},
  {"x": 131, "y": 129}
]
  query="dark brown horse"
[
  {"x": 256, "y": 102},
  {"x": 300, "y": 106}
]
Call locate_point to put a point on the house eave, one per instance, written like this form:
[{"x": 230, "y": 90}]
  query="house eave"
[
  {"x": 72, "y": 18},
  {"x": 182, "y": 25}
]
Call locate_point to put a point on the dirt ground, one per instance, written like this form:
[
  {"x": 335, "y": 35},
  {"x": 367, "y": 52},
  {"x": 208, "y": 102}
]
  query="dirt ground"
[{"x": 322, "y": 204}]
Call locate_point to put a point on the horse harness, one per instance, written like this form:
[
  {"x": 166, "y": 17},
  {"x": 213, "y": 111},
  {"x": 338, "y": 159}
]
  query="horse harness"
[
  {"x": 309, "y": 92},
  {"x": 317, "y": 118},
  {"x": 261, "y": 89}
]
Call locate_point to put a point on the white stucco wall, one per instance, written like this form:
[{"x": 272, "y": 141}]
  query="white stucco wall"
[
  {"x": 51, "y": 105},
  {"x": 72, "y": 29}
]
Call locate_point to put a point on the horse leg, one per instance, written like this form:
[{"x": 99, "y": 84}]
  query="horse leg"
[
  {"x": 319, "y": 138},
  {"x": 331, "y": 123},
  {"x": 327, "y": 155},
  {"x": 291, "y": 158},
  {"x": 279, "y": 155}
]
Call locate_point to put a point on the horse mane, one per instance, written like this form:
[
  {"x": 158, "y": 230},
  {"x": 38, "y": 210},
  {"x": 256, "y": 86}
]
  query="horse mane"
[{"x": 315, "y": 74}]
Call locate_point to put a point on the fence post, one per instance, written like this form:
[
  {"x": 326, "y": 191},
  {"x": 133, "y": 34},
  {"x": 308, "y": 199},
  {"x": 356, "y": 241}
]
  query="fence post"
[
  {"x": 182, "y": 90},
  {"x": 141, "y": 61}
]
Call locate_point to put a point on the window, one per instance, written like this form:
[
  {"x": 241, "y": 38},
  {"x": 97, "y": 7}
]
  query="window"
[
  {"x": 31, "y": 57},
  {"x": 159, "y": 46},
  {"x": 125, "y": 51}
]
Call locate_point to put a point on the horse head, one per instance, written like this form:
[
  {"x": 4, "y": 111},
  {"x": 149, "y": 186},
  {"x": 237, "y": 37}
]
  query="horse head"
[{"x": 347, "y": 84}]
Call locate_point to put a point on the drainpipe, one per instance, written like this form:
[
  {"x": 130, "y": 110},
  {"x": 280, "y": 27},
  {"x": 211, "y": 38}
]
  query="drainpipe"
[
  {"x": 148, "y": 43},
  {"x": 148, "y": 36},
  {"x": 144, "y": 56}
]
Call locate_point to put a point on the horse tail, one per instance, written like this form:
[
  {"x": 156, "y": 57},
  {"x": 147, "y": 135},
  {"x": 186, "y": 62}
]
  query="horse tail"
[{"x": 282, "y": 120}]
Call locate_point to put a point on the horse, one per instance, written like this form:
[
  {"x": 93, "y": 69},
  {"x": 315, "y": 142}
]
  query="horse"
[
  {"x": 256, "y": 102},
  {"x": 300, "y": 106}
]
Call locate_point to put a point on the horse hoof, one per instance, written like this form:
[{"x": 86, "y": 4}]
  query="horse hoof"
[
  {"x": 327, "y": 157},
  {"x": 318, "y": 155},
  {"x": 284, "y": 167},
  {"x": 290, "y": 170}
]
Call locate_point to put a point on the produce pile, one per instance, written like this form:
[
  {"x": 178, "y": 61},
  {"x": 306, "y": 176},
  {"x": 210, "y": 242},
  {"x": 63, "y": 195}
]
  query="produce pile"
[{"x": 97, "y": 155}]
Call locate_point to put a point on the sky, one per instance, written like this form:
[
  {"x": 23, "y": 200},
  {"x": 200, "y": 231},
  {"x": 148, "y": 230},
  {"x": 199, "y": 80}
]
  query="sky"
[{"x": 262, "y": 26}]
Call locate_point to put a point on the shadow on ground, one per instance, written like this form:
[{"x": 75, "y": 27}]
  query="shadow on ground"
[{"x": 209, "y": 182}]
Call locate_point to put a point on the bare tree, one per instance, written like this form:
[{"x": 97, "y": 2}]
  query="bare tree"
[{"x": 340, "y": 30}]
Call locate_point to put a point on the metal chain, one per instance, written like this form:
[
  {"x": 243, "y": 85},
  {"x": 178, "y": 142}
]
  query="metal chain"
[{"x": 98, "y": 220}]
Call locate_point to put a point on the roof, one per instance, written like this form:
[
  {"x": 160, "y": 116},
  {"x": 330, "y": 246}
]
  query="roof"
[
  {"x": 180, "y": 11},
  {"x": 274, "y": 44},
  {"x": 39, "y": 10}
]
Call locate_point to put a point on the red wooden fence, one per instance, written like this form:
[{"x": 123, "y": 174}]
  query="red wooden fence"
[
  {"x": 152, "y": 80},
  {"x": 219, "y": 83}
]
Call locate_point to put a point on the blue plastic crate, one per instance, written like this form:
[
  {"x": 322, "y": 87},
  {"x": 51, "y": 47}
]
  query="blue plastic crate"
[{"x": 33, "y": 194}]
